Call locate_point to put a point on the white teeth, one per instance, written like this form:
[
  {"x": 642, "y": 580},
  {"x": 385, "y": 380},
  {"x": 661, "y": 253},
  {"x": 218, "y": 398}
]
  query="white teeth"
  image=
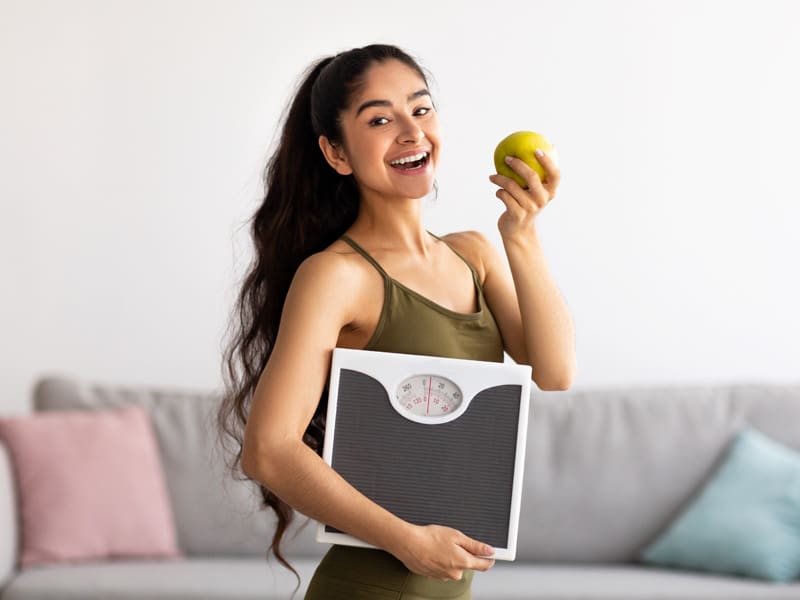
[{"x": 408, "y": 159}]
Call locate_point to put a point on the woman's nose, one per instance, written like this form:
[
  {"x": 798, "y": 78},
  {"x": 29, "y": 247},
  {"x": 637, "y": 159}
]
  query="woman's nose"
[{"x": 411, "y": 132}]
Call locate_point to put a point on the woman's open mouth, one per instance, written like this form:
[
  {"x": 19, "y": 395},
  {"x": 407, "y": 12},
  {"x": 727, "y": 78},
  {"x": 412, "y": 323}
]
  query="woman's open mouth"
[{"x": 412, "y": 165}]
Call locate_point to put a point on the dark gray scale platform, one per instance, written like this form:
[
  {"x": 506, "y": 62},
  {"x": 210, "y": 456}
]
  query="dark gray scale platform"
[{"x": 459, "y": 474}]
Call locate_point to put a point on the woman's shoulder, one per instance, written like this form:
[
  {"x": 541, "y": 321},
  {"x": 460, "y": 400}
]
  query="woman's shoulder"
[
  {"x": 472, "y": 245},
  {"x": 470, "y": 237},
  {"x": 336, "y": 268},
  {"x": 331, "y": 263},
  {"x": 330, "y": 278}
]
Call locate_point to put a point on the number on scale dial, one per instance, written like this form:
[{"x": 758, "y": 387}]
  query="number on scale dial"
[{"x": 429, "y": 395}]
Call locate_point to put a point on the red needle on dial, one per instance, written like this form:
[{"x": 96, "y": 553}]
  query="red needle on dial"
[{"x": 428, "y": 411}]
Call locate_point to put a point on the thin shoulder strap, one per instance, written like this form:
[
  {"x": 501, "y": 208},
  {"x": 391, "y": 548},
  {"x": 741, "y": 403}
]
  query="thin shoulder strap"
[
  {"x": 471, "y": 268},
  {"x": 365, "y": 254}
]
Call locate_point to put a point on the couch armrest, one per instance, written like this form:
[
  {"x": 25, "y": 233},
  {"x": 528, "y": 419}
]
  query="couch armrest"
[{"x": 8, "y": 517}]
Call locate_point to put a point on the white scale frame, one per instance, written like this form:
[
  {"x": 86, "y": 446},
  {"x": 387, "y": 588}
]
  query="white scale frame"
[{"x": 471, "y": 376}]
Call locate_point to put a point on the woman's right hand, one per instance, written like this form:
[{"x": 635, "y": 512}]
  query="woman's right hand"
[{"x": 442, "y": 552}]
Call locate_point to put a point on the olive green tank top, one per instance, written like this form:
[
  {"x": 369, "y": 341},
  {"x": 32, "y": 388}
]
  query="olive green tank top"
[{"x": 410, "y": 323}]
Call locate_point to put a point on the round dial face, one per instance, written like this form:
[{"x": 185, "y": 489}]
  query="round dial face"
[{"x": 429, "y": 395}]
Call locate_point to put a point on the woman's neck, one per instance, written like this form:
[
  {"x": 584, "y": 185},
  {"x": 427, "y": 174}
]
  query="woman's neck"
[{"x": 394, "y": 226}]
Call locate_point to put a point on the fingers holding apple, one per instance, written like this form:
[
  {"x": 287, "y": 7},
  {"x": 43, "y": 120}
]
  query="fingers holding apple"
[
  {"x": 523, "y": 145},
  {"x": 549, "y": 160},
  {"x": 517, "y": 221},
  {"x": 526, "y": 167},
  {"x": 518, "y": 200},
  {"x": 533, "y": 189},
  {"x": 528, "y": 176}
]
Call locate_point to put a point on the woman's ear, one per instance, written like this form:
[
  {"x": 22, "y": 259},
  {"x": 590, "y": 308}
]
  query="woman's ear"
[{"x": 334, "y": 154}]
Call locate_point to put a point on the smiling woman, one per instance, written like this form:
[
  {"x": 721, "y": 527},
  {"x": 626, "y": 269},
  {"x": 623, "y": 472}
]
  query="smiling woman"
[{"x": 358, "y": 153}]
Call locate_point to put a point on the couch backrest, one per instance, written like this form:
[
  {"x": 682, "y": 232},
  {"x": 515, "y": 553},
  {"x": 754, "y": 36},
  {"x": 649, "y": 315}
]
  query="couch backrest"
[
  {"x": 606, "y": 468},
  {"x": 215, "y": 515}
]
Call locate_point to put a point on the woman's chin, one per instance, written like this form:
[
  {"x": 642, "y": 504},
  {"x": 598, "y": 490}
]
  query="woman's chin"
[
  {"x": 412, "y": 188},
  {"x": 415, "y": 188}
]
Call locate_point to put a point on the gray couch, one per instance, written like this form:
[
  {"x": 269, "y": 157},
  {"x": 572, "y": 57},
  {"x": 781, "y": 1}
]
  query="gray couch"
[{"x": 606, "y": 470}]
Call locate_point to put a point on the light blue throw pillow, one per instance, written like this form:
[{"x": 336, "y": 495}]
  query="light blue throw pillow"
[{"x": 746, "y": 519}]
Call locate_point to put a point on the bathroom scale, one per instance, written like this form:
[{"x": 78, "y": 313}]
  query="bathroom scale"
[{"x": 433, "y": 440}]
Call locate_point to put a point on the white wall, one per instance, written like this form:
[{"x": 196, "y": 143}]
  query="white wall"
[{"x": 133, "y": 135}]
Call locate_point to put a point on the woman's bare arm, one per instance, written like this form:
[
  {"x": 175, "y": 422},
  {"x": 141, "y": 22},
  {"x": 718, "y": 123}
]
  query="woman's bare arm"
[
  {"x": 546, "y": 324},
  {"x": 536, "y": 326}
]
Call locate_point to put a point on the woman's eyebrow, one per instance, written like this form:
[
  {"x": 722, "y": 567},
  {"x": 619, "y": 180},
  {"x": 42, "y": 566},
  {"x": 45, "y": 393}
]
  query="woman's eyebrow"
[{"x": 368, "y": 103}]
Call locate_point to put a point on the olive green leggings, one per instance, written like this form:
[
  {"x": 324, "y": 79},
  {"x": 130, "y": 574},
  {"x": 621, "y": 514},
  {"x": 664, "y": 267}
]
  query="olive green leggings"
[{"x": 350, "y": 573}]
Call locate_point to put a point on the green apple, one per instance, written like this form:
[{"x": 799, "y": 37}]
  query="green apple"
[{"x": 522, "y": 144}]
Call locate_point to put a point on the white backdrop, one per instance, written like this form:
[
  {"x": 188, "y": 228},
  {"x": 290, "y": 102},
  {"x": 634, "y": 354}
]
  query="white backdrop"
[{"x": 133, "y": 135}]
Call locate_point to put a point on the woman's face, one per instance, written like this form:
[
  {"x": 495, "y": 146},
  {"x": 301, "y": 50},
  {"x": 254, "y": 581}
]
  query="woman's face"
[{"x": 391, "y": 117}]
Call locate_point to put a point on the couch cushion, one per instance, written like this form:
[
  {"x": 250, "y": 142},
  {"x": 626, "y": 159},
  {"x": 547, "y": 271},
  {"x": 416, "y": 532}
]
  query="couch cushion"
[
  {"x": 746, "y": 520},
  {"x": 90, "y": 486},
  {"x": 505, "y": 581},
  {"x": 607, "y": 469},
  {"x": 214, "y": 514},
  {"x": 200, "y": 579},
  {"x": 252, "y": 579}
]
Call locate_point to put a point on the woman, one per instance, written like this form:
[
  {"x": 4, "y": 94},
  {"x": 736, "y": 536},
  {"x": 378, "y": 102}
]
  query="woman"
[{"x": 343, "y": 260}]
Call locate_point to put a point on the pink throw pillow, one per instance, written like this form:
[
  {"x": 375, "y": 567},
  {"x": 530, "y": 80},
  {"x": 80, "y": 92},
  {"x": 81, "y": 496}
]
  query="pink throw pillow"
[{"x": 90, "y": 486}]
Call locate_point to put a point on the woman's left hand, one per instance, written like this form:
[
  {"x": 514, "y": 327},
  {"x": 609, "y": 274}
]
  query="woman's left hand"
[{"x": 522, "y": 205}]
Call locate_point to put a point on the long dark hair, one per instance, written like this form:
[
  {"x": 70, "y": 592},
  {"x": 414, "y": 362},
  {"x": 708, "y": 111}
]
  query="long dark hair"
[{"x": 306, "y": 207}]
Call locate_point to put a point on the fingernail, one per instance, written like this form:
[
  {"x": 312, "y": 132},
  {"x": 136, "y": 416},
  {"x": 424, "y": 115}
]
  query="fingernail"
[
  {"x": 508, "y": 159},
  {"x": 539, "y": 152}
]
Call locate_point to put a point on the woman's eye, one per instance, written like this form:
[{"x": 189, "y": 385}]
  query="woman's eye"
[{"x": 421, "y": 111}]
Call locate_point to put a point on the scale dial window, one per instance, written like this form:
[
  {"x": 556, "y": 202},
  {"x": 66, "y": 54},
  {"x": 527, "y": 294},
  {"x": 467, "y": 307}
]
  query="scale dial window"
[{"x": 429, "y": 395}]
